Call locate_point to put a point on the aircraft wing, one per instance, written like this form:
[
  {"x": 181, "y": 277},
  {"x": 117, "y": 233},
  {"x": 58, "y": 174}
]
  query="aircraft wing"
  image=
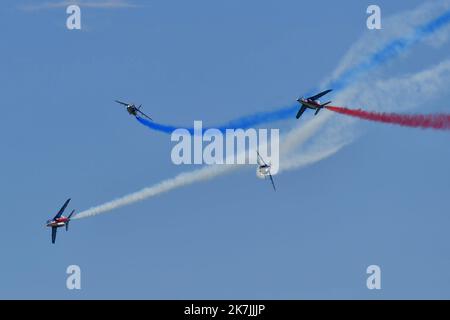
[
  {"x": 319, "y": 95},
  {"x": 273, "y": 183},
  {"x": 144, "y": 115},
  {"x": 300, "y": 112},
  {"x": 121, "y": 102},
  {"x": 261, "y": 159},
  {"x": 54, "y": 229},
  {"x": 60, "y": 212}
]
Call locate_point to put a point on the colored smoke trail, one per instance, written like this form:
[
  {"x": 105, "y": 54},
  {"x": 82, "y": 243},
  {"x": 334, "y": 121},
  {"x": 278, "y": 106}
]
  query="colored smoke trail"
[
  {"x": 245, "y": 122},
  {"x": 388, "y": 52},
  {"x": 208, "y": 172},
  {"x": 391, "y": 50},
  {"x": 291, "y": 141},
  {"x": 425, "y": 121}
]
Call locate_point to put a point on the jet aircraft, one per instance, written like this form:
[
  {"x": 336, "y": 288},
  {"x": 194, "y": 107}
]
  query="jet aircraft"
[
  {"x": 133, "y": 110},
  {"x": 60, "y": 221},
  {"x": 312, "y": 103},
  {"x": 263, "y": 170}
]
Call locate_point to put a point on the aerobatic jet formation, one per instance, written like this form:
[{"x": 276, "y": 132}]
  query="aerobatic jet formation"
[
  {"x": 263, "y": 170},
  {"x": 60, "y": 221},
  {"x": 133, "y": 110},
  {"x": 312, "y": 103}
]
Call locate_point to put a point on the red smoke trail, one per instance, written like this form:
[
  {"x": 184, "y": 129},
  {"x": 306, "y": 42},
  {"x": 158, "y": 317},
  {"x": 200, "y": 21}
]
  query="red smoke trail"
[{"x": 435, "y": 121}]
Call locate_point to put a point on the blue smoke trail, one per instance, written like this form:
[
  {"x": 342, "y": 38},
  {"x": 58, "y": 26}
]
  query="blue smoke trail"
[
  {"x": 392, "y": 50},
  {"x": 240, "y": 123}
]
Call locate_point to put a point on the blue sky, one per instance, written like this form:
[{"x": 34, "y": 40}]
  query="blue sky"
[{"x": 381, "y": 200}]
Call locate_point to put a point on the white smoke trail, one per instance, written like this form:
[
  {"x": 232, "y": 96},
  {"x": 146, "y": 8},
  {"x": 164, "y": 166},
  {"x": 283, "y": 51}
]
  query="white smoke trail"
[
  {"x": 299, "y": 135},
  {"x": 387, "y": 93},
  {"x": 333, "y": 142},
  {"x": 399, "y": 93},
  {"x": 394, "y": 27},
  {"x": 180, "y": 180},
  {"x": 187, "y": 178},
  {"x": 313, "y": 156}
]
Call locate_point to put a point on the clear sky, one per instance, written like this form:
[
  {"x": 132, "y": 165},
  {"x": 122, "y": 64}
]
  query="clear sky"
[{"x": 381, "y": 200}]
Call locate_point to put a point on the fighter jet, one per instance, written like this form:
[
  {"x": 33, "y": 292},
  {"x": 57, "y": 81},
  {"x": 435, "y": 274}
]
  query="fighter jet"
[
  {"x": 263, "y": 170},
  {"x": 133, "y": 110},
  {"x": 312, "y": 103},
  {"x": 60, "y": 221}
]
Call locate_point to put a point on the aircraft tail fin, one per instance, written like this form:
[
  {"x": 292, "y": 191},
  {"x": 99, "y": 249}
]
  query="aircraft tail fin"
[
  {"x": 70, "y": 215},
  {"x": 67, "y": 223},
  {"x": 321, "y": 106}
]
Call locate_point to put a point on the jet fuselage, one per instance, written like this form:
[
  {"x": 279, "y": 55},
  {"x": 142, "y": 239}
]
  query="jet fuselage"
[
  {"x": 311, "y": 104},
  {"x": 132, "y": 110},
  {"x": 59, "y": 222},
  {"x": 263, "y": 171}
]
